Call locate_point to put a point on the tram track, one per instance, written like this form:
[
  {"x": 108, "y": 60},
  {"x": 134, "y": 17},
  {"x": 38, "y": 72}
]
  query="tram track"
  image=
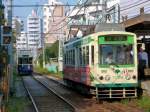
[
  {"x": 43, "y": 99},
  {"x": 82, "y": 103}
]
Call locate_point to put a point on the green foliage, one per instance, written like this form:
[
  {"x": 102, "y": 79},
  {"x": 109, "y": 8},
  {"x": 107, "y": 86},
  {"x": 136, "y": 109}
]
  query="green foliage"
[
  {"x": 17, "y": 104},
  {"x": 58, "y": 75},
  {"x": 2, "y": 20},
  {"x": 44, "y": 71},
  {"x": 144, "y": 102},
  {"x": 125, "y": 101},
  {"x": 52, "y": 51},
  {"x": 41, "y": 60},
  {"x": 41, "y": 70}
]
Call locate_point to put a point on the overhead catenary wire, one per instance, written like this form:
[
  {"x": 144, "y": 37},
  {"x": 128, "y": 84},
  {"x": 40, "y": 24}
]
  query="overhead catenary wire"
[
  {"x": 110, "y": 13},
  {"x": 52, "y": 5},
  {"x": 130, "y": 7},
  {"x": 127, "y": 5},
  {"x": 71, "y": 19},
  {"x": 135, "y": 5}
]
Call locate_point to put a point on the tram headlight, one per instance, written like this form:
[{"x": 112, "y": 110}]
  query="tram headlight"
[
  {"x": 107, "y": 77},
  {"x": 28, "y": 66},
  {"x": 134, "y": 77},
  {"x": 101, "y": 77},
  {"x": 128, "y": 77}
]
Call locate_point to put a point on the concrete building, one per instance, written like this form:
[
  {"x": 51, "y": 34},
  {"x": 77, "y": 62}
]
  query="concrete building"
[
  {"x": 34, "y": 32},
  {"x": 95, "y": 11},
  {"x": 17, "y": 25},
  {"x": 82, "y": 19},
  {"x": 22, "y": 41},
  {"x": 54, "y": 19}
]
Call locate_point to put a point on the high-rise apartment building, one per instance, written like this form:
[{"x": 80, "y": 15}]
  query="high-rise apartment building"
[
  {"x": 34, "y": 30},
  {"x": 17, "y": 25},
  {"x": 34, "y": 33},
  {"x": 22, "y": 41},
  {"x": 54, "y": 19}
]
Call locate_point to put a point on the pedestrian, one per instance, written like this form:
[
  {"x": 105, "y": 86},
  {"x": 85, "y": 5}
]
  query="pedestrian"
[{"x": 143, "y": 62}]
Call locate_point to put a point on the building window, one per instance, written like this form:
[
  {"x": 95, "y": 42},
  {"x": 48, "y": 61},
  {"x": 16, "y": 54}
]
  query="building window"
[{"x": 87, "y": 55}]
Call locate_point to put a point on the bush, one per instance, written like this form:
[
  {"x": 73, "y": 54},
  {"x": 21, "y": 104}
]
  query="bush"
[
  {"x": 17, "y": 104},
  {"x": 41, "y": 70},
  {"x": 144, "y": 102}
]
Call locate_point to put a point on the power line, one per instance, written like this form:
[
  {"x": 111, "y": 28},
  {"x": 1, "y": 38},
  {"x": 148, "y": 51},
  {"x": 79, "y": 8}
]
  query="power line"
[
  {"x": 135, "y": 5},
  {"x": 71, "y": 19},
  {"x": 147, "y": 9},
  {"x": 69, "y": 13},
  {"x": 39, "y": 33},
  {"x": 109, "y": 13},
  {"x": 130, "y": 4},
  {"x": 53, "y": 5}
]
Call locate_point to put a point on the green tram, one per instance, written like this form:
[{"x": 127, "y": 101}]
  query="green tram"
[{"x": 103, "y": 64}]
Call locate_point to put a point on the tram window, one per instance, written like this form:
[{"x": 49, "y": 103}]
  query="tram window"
[
  {"x": 80, "y": 56},
  {"x": 117, "y": 54},
  {"x": 69, "y": 57},
  {"x": 64, "y": 58},
  {"x": 73, "y": 57},
  {"x": 30, "y": 60},
  {"x": 87, "y": 55},
  {"x": 92, "y": 54},
  {"x": 83, "y": 55}
]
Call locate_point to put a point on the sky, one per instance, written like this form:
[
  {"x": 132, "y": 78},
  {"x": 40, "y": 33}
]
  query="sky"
[{"x": 23, "y": 12}]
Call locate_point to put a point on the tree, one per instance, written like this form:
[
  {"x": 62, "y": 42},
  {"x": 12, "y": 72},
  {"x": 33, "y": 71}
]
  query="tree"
[{"x": 52, "y": 51}]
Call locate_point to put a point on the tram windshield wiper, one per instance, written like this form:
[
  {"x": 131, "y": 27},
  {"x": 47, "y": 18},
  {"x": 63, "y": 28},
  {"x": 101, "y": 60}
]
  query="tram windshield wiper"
[{"x": 114, "y": 64}]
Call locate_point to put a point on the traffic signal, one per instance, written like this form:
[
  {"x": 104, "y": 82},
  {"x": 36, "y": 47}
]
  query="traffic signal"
[
  {"x": 6, "y": 34},
  {"x": 6, "y": 40}
]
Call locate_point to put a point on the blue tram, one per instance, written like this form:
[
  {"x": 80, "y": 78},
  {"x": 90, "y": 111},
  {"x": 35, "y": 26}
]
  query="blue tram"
[{"x": 25, "y": 66}]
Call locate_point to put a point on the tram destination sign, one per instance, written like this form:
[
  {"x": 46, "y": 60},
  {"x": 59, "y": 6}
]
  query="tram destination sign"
[{"x": 116, "y": 38}]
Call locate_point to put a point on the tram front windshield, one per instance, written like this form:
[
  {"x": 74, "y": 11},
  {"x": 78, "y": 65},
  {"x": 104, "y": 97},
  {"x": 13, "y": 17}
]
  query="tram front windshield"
[
  {"x": 116, "y": 54},
  {"x": 25, "y": 61}
]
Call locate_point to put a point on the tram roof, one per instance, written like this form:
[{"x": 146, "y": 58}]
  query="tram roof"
[{"x": 96, "y": 34}]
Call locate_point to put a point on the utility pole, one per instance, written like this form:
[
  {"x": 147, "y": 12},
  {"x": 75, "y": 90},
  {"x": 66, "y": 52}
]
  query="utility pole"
[
  {"x": 104, "y": 7},
  {"x": 9, "y": 3},
  {"x": 43, "y": 49}
]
